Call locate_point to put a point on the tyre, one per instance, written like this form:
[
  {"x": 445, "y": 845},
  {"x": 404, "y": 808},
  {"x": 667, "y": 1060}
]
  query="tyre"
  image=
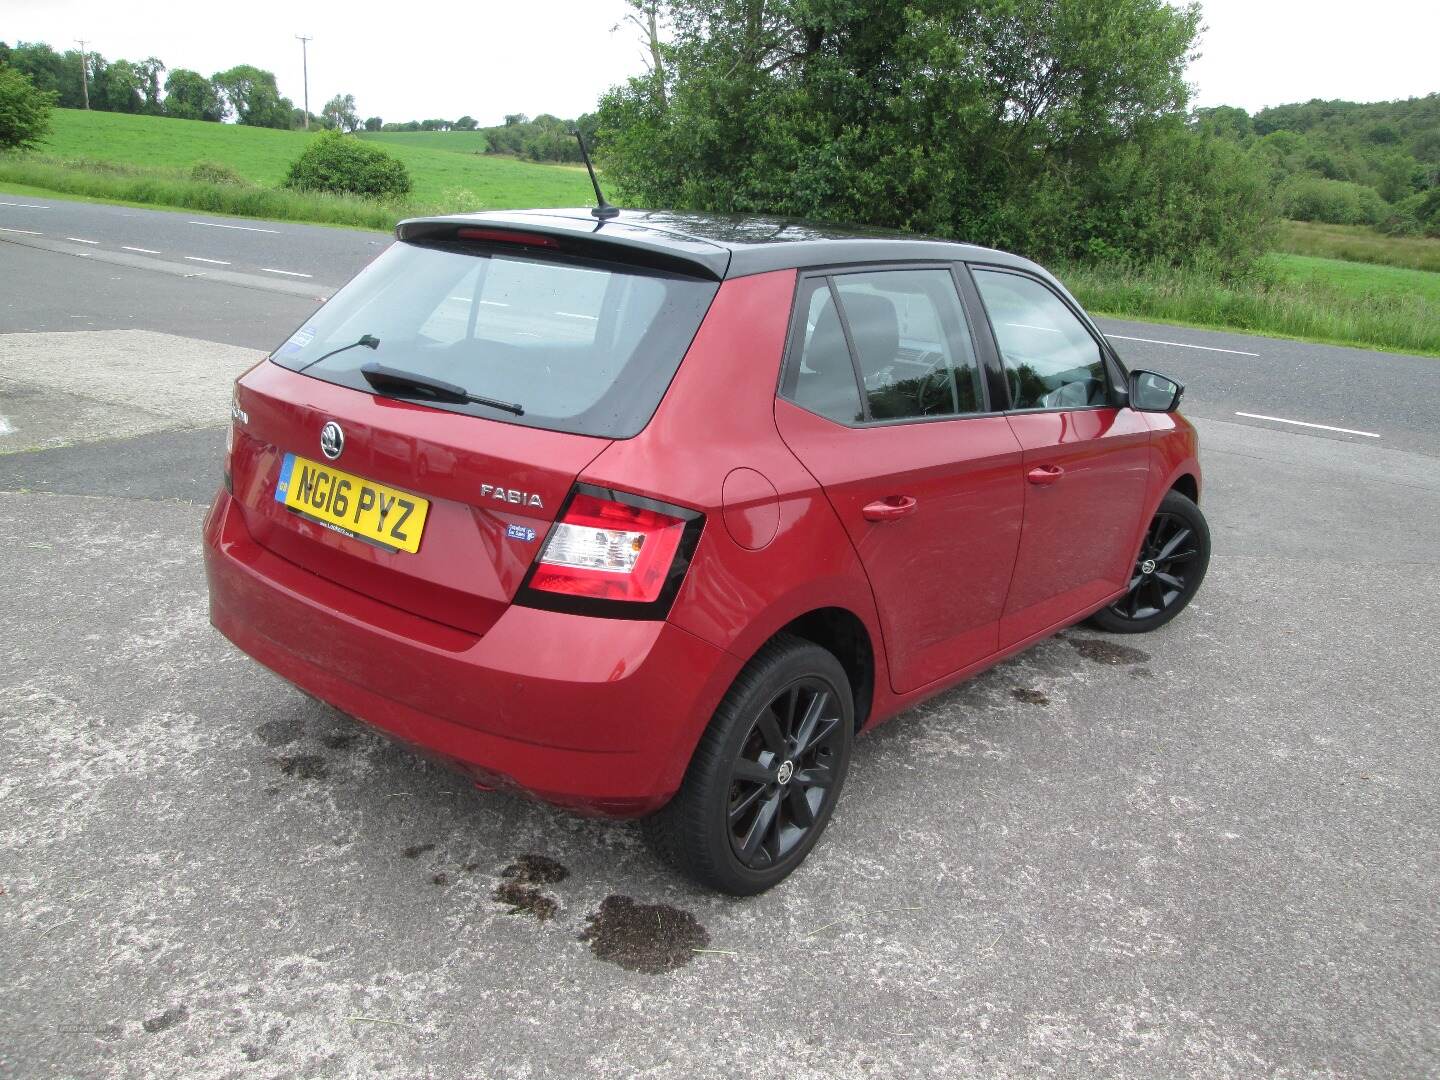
[
  {"x": 765, "y": 777},
  {"x": 1172, "y": 562}
]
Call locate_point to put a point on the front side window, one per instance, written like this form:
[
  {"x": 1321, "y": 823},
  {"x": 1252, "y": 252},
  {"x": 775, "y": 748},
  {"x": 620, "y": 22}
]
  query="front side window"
[
  {"x": 912, "y": 350},
  {"x": 1051, "y": 361}
]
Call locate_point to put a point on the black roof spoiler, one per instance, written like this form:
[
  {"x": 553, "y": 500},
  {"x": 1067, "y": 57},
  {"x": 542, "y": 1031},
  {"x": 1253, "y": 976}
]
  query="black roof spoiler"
[{"x": 613, "y": 240}]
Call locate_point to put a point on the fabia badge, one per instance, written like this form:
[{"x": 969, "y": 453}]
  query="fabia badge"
[
  {"x": 332, "y": 440},
  {"x": 510, "y": 495}
]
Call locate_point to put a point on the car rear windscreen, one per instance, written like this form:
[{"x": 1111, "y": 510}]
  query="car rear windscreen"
[{"x": 581, "y": 346}]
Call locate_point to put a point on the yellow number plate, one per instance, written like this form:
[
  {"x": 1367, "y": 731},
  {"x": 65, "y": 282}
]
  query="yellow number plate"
[{"x": 362, "y": 509}]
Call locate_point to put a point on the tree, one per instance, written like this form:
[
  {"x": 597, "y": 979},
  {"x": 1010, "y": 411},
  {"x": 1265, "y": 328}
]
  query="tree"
[
  {"x": 47, "y": 70},
  {"x": 466, "y": 123},
  {"x": 252, "y": 96},
  {"x": 191, "y": 96},
  {"x": 122, "y": 89},
  {"x": 373, "y": 123},
  {"x": 646, "y": 19},
  {"x": 1055, "y": 127},
  {"x": 511, "y": 119},
  {"x": 150, "y": 69},
  {"x": 24, "y": 110},
  {"x": 340, "y": 111}
]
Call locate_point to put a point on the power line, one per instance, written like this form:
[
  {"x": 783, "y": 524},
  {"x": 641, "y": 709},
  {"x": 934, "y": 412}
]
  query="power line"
[{"x": 305, "y": 68}]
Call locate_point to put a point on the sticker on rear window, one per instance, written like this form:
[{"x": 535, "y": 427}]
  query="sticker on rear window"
[
  {"x": 520, "y": 532},
  {"x": 298, "y": 341}
]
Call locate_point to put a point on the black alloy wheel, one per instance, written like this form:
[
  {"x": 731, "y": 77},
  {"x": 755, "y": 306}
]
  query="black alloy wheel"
[
  {"x": 784, "y": 773},
  {"x": 764, "y": 780},
  {"x": 1173, "y": 559}
]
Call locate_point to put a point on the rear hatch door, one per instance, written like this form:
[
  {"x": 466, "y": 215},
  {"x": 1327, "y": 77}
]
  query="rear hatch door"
[{"x": 431, "y": 503}]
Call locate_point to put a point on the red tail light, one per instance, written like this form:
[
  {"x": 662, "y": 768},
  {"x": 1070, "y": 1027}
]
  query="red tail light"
[{"x": 611, "y": 553}]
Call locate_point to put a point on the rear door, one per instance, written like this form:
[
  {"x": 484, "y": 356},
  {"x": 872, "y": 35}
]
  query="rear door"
[
  {"x": 559, "y": 355},
  {"x": 883, "y": 401},
  {"x": 1086, "y": 458}
]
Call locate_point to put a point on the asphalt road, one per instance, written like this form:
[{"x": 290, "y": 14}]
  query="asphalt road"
[
  {"x": 285, "y": 251},
  {"x": 1213, "y": 851}
]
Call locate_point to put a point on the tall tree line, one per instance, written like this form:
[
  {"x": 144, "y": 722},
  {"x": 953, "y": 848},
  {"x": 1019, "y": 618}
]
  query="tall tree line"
[{"x": 244, "y": 93}]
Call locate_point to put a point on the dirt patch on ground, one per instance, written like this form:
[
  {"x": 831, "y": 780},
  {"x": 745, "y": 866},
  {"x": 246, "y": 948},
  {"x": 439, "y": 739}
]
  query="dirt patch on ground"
[
  {"x": 304, "y": 766},
  {"x": 526, "y": 900},
  {"x": 276, "y": 733},
  {"x": 535, "y": 870},
  {"x": 1107, "y": 652},
  {"x": 520, "y": 889},
  {"x": 414, "y": 851},
  {"x": 167, "y": 1019},
  {"x": 1030, "y": 697},
  {"x": 652, "y": 938}
]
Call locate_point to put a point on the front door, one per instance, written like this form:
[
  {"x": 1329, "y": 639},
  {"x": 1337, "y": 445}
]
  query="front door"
[
  {"x": 1085, "y": 462},
  {"x": 928, "y": 487}
]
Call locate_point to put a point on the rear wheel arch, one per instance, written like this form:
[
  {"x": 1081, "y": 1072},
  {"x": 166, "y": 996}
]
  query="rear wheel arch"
[{"x": 841, "y": 633}]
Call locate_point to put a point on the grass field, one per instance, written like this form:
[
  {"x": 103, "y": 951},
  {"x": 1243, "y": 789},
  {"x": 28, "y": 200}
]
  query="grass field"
[
  {"x": 441, "y": 176},
  {"x": 463, "y": 142},
  {"x": 1356, "y": 243},
  {"x": 1299, "y": 296}
]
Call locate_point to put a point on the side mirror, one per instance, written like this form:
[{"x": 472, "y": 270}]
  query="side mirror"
[{"x": 1153, "y": 392}]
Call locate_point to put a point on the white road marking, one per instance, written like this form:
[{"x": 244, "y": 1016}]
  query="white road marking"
[
  {"x": 5, "y": 426},
  {"x": 241, "y": 228},
  {"x": 197, "y": 258},
  {"x": 82, "y": 240},
  {"x": 287, "y": 273},
  {"x": 25, "y": 205},
  {"x": 1029, "y": 326},
  {"x": 1182, "y": 345},
  {"x": 26, "y": 232},
  {"x": 1304, "y": 423},
  {"x": 145, "y": 251}
]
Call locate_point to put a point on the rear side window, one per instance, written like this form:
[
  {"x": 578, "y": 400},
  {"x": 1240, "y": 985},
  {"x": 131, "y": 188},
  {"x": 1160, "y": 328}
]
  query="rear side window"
[
  {"x": 582, "y": 346},
  {"x": 903, "y": 338},
  {"x": 823, "y": 377},
  {"x": 1051, "y": 361}
]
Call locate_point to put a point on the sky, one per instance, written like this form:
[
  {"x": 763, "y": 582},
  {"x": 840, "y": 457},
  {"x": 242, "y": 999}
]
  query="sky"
[{"x": 443, "y": 58}]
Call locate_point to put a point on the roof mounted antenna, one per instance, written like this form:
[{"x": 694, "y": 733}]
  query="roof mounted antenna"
[{"x": 603, "y": 210}]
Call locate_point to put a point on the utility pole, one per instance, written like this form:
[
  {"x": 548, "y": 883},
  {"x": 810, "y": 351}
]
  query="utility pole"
[
  {"x": 305, "y": 68},
  {"x": 84, "y": 73}
]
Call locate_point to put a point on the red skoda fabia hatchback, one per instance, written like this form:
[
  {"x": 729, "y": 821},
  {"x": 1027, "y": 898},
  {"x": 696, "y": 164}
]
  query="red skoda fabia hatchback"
[{"x": 651, "y": 515}]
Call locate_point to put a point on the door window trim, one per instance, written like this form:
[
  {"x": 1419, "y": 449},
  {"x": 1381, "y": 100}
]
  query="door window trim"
[
  {"x": 795, "y": 341},
  {"x": 1114, "y": 369}
]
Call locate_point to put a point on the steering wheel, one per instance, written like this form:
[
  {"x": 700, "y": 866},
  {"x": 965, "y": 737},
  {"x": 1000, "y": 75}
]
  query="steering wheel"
[{"x": 932, "y": 388}]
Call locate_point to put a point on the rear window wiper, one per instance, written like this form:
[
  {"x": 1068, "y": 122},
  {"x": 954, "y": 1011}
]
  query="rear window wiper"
[
  {"x": 367, "y": 340},
  {"x": 409, "y": 384}
]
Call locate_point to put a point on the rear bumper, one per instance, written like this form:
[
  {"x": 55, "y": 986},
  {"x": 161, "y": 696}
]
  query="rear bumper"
[{"x": 595, "y": 715}]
